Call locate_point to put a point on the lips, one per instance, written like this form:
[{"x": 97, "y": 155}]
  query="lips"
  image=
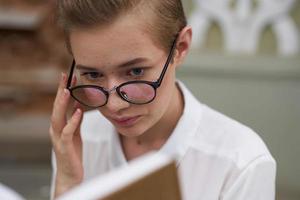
[{"x": 126, "y": 121}]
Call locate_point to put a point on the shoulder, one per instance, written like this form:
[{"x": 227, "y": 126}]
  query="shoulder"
[
  {"x": 95, "y": 127},
  {"x": 227, "y": 138},
  {"x": 220, "y": 136}
]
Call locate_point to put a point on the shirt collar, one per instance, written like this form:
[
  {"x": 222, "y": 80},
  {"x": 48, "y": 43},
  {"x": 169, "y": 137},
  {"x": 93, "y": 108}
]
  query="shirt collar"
[
  {"x": 182, "y": 136},
  {"x": 117, "y": 157}
]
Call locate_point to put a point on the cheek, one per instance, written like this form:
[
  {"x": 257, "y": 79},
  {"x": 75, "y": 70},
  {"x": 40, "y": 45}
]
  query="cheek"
[
  {"x": 155, "y": 108},
  {"x": 161, "y": 102},
  {"x": 165, "y": 91}
]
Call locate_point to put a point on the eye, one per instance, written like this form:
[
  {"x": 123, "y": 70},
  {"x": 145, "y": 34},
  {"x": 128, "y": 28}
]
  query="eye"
[
  {"x": 91, "y": 75},
  {"x": 136, "y": 72}
]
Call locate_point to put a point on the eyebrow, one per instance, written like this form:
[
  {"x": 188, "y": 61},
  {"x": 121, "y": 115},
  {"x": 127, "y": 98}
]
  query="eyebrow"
[
  {"x": 123, "y": 65},
  {"x": 133, "y": 62},
  {"x": 82, "y": 67}
]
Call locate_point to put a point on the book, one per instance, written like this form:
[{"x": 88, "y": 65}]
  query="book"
[{"x": 152, "y": 176}]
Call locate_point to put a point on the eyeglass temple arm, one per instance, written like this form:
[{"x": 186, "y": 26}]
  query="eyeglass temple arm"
[
  {"x": 158, "y": 82},
  {"x": 71, "y": 75}
]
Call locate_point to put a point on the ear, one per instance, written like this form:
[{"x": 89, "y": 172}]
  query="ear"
[{"x": 183, "y": 44}]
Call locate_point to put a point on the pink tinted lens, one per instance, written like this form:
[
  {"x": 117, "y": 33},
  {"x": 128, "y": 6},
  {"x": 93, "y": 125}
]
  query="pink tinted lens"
[
  {"x": 90, "y": 96},
  {"x": 138, "y": 92}
]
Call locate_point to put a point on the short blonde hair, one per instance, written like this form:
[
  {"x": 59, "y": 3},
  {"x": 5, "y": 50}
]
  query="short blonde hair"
[{"x": 167, "y": 17}]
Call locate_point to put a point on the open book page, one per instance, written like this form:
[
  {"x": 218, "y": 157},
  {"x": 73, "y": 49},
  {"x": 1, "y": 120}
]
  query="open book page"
[{"x": 153, "y": 176}]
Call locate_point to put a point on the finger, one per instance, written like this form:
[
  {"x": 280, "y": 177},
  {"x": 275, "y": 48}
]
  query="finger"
[
  {"x": 53, "y": 136},
  {"x": 73, "y": 125},
  {"x": 77, "y": 105},
  {"x": 62, "y": 84},
  {"x": 58, "y": 118},
  {"x": 52, "y": 128}
]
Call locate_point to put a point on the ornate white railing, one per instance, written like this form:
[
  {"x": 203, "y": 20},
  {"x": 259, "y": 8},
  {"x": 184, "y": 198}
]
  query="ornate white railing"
[{"x": 242, "y": 26}]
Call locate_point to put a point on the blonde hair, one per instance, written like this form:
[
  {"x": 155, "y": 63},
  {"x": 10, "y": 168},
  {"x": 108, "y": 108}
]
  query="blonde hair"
[{"x": 167, "y": 16}]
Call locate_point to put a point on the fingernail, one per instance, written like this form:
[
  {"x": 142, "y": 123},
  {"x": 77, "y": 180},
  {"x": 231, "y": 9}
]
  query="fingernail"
[
  {"x": 78, "y": 111},
  {"x": 66, "y": 92},
  {"x": 63, "y": 75}
]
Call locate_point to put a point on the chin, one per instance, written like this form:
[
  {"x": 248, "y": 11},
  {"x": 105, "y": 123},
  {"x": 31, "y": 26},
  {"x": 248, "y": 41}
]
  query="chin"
[{"x": 131, "y": 132}]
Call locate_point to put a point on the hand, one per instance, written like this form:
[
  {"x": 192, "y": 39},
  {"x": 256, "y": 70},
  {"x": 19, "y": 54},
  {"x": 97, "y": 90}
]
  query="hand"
[{"x": 66, "y": 141}]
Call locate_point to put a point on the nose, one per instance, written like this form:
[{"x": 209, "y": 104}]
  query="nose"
[{"x": 115, "y": 103}]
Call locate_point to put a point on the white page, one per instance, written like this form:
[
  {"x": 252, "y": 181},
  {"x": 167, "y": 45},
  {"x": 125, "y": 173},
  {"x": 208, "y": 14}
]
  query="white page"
[{"x": 111, "y": 182}]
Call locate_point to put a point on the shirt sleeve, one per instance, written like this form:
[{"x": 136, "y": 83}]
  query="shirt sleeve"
[
  {"x": 255, "y": 182},
  {"x": 9, "y": 194},
  {"x": 52, "y": 188}
]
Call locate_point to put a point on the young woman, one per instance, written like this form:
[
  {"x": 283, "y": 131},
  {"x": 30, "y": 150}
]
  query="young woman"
[{"x": 126, "y": 53}]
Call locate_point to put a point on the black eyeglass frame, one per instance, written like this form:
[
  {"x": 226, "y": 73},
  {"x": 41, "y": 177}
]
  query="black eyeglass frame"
[{"x": 154, "y": 85}]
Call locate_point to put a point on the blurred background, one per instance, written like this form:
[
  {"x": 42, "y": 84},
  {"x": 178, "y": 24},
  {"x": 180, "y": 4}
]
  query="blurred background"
[{"x": 245, "y": 62}]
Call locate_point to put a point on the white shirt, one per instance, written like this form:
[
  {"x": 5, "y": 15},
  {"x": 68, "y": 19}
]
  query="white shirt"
[
  {"x": 217, "y": 157},
  {"x": 8, "y": 194}
]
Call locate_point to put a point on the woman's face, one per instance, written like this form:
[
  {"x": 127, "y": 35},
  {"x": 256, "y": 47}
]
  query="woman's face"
[{"x": 111, "y": 55}]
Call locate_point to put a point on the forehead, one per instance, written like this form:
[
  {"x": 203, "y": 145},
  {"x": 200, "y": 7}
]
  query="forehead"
[{"x": 123, "y": 40}]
